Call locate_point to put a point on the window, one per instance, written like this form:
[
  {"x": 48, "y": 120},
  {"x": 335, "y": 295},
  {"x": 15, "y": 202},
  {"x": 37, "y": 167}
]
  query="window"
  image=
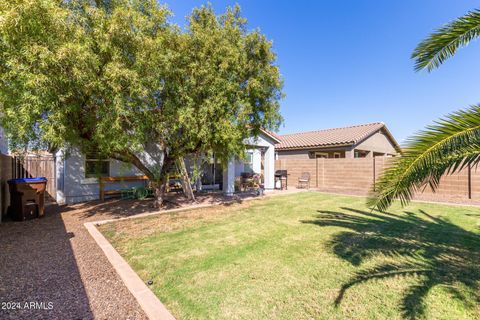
[
  {"x": 336, "y": 155},
  {"x": 96, "y": 167},
  {"x": 248, "y": 163},
  {"x": 360, "y": 154},
  {"x": 321, "y": 155}
]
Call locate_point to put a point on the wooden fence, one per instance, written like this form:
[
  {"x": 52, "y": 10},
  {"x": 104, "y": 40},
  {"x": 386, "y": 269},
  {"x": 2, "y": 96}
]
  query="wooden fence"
[{"x": 27, "y": 167}]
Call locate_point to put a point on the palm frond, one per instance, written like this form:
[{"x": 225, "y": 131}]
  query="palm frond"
[
  {"x": 445, "y": 147},
  {"x": 444, "y": 42}
]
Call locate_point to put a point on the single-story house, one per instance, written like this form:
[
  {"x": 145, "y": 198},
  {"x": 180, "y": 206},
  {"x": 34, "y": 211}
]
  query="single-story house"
[
  {"x": 358, "y": 141},
  {"x": 77, "y": 173}
]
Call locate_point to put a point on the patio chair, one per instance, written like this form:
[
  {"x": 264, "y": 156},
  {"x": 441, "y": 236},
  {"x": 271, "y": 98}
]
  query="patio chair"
[
  {"x": 304, "y": 180},
  {"x": 246, "y": 181}
]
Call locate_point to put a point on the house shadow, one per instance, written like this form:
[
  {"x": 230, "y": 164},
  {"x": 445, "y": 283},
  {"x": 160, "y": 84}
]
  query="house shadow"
[
  {"x": 39, "y": 274},
  {"x": 435, "y": 250}
]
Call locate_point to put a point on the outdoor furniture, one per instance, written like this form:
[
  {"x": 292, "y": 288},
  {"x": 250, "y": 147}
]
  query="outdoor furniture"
[
  {"x": 281, "y": 176},
  {"x": 174, "y": 184},
  {"x": 124, "y": 193},
  {"x": 246, "y": 180},
  {"x": 304, "y": 180}
]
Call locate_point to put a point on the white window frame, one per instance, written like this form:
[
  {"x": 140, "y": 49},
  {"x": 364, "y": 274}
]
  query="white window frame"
[
  {"x": 335, "y": 154},
  {"x": 89, "y": 158},
  {"x": 248, "y": 164}
]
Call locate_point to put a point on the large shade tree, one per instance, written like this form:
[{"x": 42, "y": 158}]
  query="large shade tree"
[
  {"x": 116, "y": 77},
  {"x": 452, "y": 143}
]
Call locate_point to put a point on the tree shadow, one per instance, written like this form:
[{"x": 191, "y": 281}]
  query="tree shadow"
[
  {"x": 432, "y": 248},
  {"x": 121, "y": 208}
]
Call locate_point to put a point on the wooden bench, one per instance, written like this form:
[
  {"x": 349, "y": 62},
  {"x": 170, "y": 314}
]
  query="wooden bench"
[
  {"x": 174, "y": 187},
  {"x": 104, "y": 180}
]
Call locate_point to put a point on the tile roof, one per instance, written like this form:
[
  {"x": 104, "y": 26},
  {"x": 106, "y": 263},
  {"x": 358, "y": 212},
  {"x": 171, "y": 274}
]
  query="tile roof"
[{"x": 330, "y": 137}]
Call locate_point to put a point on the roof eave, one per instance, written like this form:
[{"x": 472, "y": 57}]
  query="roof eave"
[
  {"x": 268, "y": 134},
  {"x": 390, "y": 136}
]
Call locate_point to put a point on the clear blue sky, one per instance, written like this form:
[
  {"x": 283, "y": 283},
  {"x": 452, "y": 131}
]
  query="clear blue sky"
[{"x": 348, "y": 62}]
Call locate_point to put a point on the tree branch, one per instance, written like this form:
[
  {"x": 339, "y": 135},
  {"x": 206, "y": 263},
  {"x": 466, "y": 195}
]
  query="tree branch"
[{"x": 130, "y": 157}]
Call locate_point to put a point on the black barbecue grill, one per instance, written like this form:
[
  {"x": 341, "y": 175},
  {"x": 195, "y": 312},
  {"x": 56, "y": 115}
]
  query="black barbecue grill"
[{"x": 282, "y": 176}]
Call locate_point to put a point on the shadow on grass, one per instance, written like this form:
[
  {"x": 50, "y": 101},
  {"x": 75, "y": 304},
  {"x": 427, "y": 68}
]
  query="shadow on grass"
[{"x": 432, "y": 248}]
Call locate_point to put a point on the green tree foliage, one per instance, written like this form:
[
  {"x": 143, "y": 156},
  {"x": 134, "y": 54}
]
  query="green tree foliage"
[
  {"x": 448, "y": 145},
  {"x": 118, "y": 78}
]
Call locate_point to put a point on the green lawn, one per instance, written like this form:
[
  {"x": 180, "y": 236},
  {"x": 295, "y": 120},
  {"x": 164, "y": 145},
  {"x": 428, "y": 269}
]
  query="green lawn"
[{"x": 309, "y": 256}]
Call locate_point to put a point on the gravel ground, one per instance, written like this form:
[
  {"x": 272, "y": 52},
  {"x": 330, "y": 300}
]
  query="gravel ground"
[{"x": 55, "y": 263}]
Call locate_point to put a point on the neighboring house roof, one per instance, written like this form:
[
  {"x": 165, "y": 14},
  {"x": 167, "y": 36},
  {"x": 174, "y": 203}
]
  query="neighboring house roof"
[{"x": 335, "y": 137}]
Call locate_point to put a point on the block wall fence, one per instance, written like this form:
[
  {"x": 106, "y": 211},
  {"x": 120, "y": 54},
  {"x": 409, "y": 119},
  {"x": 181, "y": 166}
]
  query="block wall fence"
[{"x": 357, "y": 176}]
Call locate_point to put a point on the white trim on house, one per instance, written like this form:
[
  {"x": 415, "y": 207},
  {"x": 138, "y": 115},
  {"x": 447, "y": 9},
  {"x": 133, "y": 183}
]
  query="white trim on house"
[
  {"x": 267, "y": 143},
  {"x": 270, "y": 135}
]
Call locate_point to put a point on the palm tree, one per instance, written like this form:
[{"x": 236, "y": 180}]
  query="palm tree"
[{"x": 451, "y": 143}]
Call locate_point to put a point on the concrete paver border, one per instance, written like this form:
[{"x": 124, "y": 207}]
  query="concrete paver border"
[
  {"x": 151, "y": 305},
  {"x": 149, "y": 302}
]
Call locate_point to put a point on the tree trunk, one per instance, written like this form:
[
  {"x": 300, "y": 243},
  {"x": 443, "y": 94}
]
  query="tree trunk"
[
  {"x": 160, "y": 186},
  {"x": 159, "y": 192},
  {"x": 186, "y": 184}
]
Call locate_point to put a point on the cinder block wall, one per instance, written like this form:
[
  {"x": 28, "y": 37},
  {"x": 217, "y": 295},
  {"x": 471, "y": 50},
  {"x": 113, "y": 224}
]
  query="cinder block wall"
[
  {"x": 350, "y": 174},
  {"x": 355, "y": 174},
  {"x": 358, "y": 175},
  {"x": 296, "y": 167},
  {"x": 454, "y": 187}
]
